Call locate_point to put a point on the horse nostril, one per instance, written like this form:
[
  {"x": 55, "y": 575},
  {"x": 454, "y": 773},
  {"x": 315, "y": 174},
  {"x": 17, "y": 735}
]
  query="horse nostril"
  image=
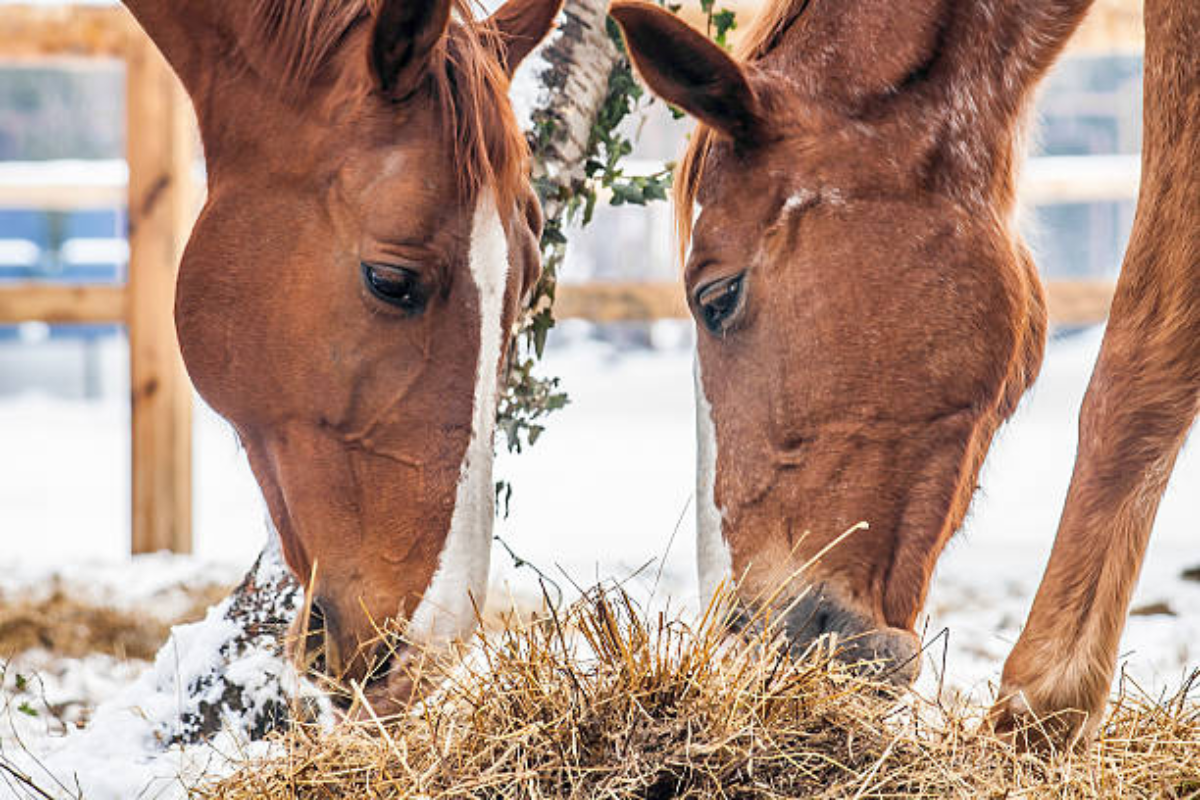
[{"x": 890, "y": 653}]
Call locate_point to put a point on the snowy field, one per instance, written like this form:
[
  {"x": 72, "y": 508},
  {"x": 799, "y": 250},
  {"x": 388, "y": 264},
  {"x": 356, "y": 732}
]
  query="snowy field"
[{"x": 605, "y": 494}]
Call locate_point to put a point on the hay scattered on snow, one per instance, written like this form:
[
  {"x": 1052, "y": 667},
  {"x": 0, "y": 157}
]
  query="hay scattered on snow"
[
  {"x": 74, "y": 627},
  {"x": 601, "y": 702}
]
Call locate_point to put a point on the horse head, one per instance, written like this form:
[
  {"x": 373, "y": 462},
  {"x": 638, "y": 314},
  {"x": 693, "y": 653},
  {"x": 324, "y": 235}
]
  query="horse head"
[
  {"x": 866, "y": 314},
  {"x": 347, "y": 294}
]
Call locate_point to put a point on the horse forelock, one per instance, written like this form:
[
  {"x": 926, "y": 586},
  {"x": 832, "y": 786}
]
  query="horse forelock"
[
  {"x": 472, "y": 92},
  {"x": 467, "y": 82}
]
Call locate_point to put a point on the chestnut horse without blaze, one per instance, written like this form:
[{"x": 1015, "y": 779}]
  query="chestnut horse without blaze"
[
  {"x": 344, "y": 300},
  {"x": 869, "y": 316}
]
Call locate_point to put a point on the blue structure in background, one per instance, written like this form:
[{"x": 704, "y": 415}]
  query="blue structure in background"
[{"x": 77, "y": 247}]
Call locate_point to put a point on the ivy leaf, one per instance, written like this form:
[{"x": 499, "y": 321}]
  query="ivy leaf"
[
  {"x": 504, "y": 494},
  {"x": 509, "y": 427},
  {"x": 27, "y": 709},
  {"x": 614, "y": 33},
  {"x": 552, "y": 235},
  {"x": 539, "y": 339},
  {"x": 589, "y": 208},
  {"x": 724, "y": 21},
  {"x": 656, "y": 190},
  {"x": 628, "y": 193}
]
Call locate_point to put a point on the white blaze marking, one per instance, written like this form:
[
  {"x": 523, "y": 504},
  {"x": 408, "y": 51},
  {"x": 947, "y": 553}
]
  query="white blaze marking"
[
  {"x": 803, "y": 198},
  {"x": 446, "y": 610},
  {"x": 713, "y": 559}
]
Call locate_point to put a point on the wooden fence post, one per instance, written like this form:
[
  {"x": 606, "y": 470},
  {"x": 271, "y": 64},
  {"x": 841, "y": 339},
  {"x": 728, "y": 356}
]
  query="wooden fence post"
[{"x": 159, "y": 151}]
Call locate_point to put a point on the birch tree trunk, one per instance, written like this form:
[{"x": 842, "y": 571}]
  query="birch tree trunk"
[
  {"x": 572, "y": 73},
  {"x": 245, "y": 684}
]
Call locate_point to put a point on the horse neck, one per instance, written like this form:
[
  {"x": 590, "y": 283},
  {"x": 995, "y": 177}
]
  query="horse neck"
[
  {"x": 1163, "y": 253},
  {"x": 1172, "y": 89}
]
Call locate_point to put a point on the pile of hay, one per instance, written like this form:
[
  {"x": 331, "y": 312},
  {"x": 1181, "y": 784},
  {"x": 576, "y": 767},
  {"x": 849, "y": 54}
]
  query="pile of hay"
[
  {"x": 72, "y": 626},
  {"x": 601, "y": 702}
]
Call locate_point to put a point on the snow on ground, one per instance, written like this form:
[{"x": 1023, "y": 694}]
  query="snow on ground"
[
  {"x": 605, "y": 494},
  {"x": 139, "y": 739},
  {"x": 43, "y": 694}
]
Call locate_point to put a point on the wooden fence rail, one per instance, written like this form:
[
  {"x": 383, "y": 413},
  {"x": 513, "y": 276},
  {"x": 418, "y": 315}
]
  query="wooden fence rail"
[
  {"x": 161, "y": 202},
  {"x": 1072, "y": 302}
]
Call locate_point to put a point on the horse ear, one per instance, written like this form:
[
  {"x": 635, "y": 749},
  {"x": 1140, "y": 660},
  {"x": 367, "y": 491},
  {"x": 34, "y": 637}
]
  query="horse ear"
[
  {"x": 683, "y": 67},
  {"x": 406, "y": 33},
  {"x": 522, "y": 24}
]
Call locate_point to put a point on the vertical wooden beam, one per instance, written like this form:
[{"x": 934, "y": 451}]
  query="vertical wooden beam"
[{"x": 159, "y": 151}]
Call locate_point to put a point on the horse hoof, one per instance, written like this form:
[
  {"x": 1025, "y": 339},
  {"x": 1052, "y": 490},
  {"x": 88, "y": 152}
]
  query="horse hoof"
[{"x": 1039, "y": 729}]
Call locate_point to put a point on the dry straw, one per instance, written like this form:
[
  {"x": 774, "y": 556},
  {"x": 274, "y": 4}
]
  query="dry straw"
[
  {"x": 72, "y": 626},
  {"x": 605, "y": 701}
]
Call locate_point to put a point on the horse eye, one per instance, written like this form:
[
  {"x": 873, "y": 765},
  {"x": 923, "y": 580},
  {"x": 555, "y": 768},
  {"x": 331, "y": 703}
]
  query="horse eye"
[
  {"x": 396, "y": 286},
  {"x": 718, "y": 303}
]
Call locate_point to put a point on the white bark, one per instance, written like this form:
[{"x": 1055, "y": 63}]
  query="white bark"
[{"x": 573, "y": 69}]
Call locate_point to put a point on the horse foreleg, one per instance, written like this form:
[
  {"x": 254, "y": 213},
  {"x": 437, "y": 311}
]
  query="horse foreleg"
[
  {"x": 1142, "y": 399},
  {"x": 1135, "y": 417}
]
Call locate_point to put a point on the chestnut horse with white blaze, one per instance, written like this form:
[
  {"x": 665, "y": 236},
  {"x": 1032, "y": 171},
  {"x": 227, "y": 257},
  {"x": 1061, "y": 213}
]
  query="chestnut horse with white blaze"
[
  {"x": 868, "y": 316},
  {"x": 345, "y": 299}
]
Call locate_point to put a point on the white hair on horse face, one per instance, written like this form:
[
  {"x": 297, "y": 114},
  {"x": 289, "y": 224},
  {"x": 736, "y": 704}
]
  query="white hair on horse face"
[
  {"x": 447, "y": 608},
  {"x": 713, "y": 559}
]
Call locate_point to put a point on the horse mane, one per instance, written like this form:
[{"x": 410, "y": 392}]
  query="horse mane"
[
  {"x": 761, "y": 35},
  {"x": 468, "y": 83}
]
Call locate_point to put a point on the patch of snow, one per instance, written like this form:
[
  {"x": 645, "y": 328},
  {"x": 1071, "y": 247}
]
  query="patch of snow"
[
  {"x": 160, "y": 584},
  {"x": 19, "y": 253},
  {"x": 154, "y": 737},
  {"x": 95, "y": 250},
  {"x": 124, "y": 750},
  {"x": 104, "y": 173}
]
